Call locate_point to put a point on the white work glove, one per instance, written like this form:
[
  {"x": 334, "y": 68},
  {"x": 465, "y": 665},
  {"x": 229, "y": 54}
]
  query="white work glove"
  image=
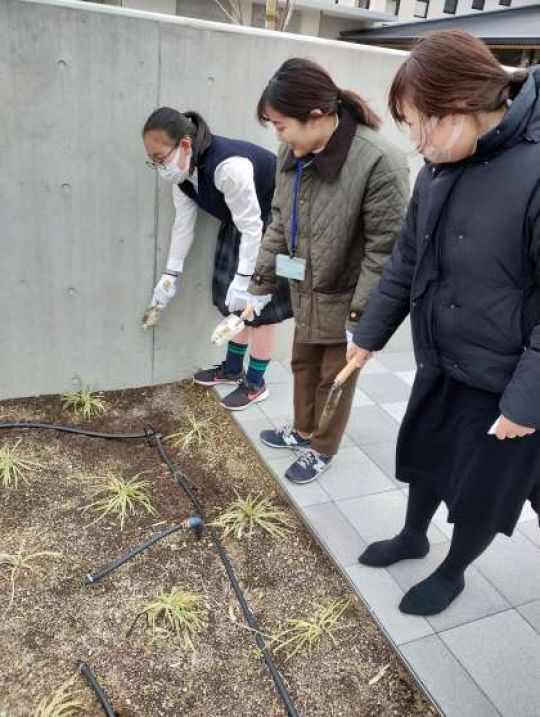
[
  {"x": 165, "y": 291},
  {"x": 238, "y": 296},
  {"x": 258, "y": 303}
]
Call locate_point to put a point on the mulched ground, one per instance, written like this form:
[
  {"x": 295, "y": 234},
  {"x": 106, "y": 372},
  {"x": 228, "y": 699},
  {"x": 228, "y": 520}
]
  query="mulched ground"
[{"x": 55, "y": 620}]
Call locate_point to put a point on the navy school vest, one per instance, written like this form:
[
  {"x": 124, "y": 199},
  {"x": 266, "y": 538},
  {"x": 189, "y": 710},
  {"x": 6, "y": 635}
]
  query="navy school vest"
[{"x": 209, "y": 198}]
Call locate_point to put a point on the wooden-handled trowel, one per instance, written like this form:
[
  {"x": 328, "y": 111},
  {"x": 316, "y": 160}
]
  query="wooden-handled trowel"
[
  {"x": 335, "y": 393},
  {"x": 230, "y": 327}
]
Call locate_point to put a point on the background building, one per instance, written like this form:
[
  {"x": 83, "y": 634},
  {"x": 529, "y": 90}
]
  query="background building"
[
  {"x": 328, "y": 18},
  {"x": 513, "y": 33}
]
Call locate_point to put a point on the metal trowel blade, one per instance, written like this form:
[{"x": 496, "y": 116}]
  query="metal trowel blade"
[{"x": 330, "y": 405}]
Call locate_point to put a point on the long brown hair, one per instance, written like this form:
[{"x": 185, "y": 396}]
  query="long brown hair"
[
  {"x": 452, "y": 72},
  {"x": 301, "y": 86}
]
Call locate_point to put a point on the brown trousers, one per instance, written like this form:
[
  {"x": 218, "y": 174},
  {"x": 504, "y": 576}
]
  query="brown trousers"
[{"x": 314, "y": 368}]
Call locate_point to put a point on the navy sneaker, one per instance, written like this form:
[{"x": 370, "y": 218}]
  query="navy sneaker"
[
  {"x": 216, "y": 376},
  {"x": 285, "y": 437},
  {"x": 246, "y": 394},
  {"x": 308, "y": 466}
]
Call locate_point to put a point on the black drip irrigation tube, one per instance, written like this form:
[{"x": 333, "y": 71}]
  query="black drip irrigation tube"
[
  {"x": 75, "y": 430},
  {"x": 181, "y": 480},
  {"x": 85, "y": 669},
  {"x": 192, "y": 523}
]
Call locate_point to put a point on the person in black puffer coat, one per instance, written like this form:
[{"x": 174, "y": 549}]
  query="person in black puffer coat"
[{"x": 467, "y": 268}]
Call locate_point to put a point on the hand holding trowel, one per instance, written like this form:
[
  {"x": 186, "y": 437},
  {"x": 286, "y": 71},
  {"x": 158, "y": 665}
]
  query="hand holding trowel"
[
  {"x": 151, "y": 316},
  {"x": 231, "y": 326},
  {"x": 164, "y": 292}
]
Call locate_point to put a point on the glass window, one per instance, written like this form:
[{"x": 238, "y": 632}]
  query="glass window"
[{"x": 421, "y": 8}]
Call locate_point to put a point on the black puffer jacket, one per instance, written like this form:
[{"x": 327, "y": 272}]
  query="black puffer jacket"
[{"x": 467, "y": 266}]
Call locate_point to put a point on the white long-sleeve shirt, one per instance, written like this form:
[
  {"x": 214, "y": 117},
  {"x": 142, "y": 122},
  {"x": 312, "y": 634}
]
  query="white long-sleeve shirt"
[{"x": 234, "y": 178}]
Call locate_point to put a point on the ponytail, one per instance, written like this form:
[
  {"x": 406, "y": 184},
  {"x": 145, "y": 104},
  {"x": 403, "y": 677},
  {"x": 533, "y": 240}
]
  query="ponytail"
[
  {"x": 177, "y": 126},
  {"x": 359, "y": 109},
  {"x": 451, "y": 72},
  {"x": 301, "y": 86},
  {"x": 515, "y": 82}
]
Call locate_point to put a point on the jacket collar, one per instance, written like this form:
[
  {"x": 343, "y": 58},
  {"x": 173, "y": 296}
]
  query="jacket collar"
[
  {"x": 520, "y": 121},
  {"x": 329, "y": 162}
]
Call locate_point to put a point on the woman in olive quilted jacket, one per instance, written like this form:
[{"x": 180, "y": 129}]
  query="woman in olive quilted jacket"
[{"x": 340, "y": 199}]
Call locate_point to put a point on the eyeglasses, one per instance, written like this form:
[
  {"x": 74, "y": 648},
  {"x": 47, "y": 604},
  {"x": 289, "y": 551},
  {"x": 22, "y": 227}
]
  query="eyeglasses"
[{"x": 156, "y": 165}]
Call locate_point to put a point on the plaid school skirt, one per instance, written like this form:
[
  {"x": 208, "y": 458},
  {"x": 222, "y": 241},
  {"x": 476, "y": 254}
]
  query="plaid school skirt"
[{"x": 225, "y": 266}]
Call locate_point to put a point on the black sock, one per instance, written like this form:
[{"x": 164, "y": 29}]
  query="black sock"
[
  {"x": 435, "y": 593},
  {"x": 412, "y": 542}
]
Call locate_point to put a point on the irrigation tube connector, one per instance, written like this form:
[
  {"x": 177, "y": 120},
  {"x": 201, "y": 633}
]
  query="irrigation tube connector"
[
  {"x": 193, "y": 523},
  {"x": 85, "y": 669},
  {"x": 154, "y": 437},
  {"x": 182, "y": 481}
]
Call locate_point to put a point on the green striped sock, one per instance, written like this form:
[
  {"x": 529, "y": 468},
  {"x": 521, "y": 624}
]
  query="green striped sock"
[
  {"x": 234, "y": 363},
  {"x": 256, "y": 370}
]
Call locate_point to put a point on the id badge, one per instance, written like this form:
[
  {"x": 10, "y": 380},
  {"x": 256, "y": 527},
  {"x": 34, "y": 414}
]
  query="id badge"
[{"x": 290, "y": 267}]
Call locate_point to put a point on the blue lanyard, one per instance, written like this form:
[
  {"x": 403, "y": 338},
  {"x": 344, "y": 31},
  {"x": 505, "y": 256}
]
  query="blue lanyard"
[{"x": 300, "y": 164}]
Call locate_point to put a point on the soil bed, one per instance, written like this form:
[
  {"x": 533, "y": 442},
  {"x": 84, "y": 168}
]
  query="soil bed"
[{"x": 54, "y": 620}]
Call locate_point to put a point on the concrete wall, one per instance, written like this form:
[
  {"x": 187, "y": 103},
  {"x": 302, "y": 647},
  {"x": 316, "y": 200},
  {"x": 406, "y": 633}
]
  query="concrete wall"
[{"x": 85, "y": 225}]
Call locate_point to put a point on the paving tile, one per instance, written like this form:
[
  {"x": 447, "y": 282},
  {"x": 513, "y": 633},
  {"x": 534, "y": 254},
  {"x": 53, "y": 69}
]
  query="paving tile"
[
  {"x": 280, "y": 401},
  {"x": 396, "y": 410},
  {"x": 252, "y": 426},
  {"x": 513, "y": 566},
  {"x": 502, "y": 655},
  {"x": 371, "y": 424},
  {"x": 406, "y": 376},
  {"x": 346, "y": 442},
  {"x": 353, "y": 474},
  {"x": 402, "y": 338},
  {"x": 441, "y": 521},
  {"x": 277, "y": 373},
  {"x": 279, "y": 420},
  {"x": 531, "y": 613},
  {"x": 528, "y": 513},
  {"x": 384, "y": 455},
  {"x": 382, "y": 594},
  {"x": 252, "y": 413},
  {"x": 223, "y": 390},
  {"x": 302, "y": 495},
  {"x": 380, "y": 516},
  {"x": 445, "y": 679},
  {"x": 384, "y": 388},
  {"x": 335, "y": 532},
  {"x": 478, "y": 600},
  {"x": 398, "y": 360},
  {"x": 360, "y": 399},
  {"x": 531, "y": 529},
  {"x": 374, "y": 366}
]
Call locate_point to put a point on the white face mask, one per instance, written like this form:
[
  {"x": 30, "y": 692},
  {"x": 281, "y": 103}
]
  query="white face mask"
[
  {"x": 171, "y": 172},
  {"x": 444, "y": 153}
]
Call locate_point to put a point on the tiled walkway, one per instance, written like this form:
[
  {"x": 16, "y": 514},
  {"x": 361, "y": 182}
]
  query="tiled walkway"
[{"x": 481, "y": 656}]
